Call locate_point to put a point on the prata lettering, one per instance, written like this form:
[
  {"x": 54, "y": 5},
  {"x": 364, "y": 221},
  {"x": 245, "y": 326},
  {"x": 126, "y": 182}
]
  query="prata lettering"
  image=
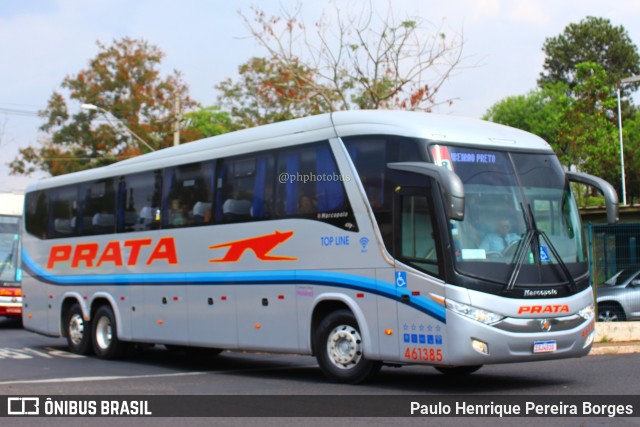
[{"x": 93, "y": 255}]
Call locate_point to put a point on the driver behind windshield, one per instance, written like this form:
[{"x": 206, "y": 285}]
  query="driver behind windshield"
[{"x": 500, "y": 238}]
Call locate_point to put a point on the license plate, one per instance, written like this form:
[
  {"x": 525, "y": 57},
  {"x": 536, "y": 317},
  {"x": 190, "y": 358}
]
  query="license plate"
[{"x": 544, "y": 346}]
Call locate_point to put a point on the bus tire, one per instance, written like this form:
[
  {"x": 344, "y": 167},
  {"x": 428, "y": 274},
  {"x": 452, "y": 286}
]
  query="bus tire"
[
  {"x": 106, "y": 344},
  {"x": 78, "y": 331},
  {"x": 457, "y": 371},
  {"x": 338, "y": 347}
]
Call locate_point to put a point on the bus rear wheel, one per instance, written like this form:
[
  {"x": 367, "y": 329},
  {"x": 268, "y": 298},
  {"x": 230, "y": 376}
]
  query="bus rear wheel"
[
  {"x": 338, "y": 346},
  {"x": 106, "y": 344},
  {"x": 78, "y": 331}
]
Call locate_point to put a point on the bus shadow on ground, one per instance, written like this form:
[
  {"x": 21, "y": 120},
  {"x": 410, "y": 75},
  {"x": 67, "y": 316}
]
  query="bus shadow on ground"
[
  {"x": 405, "y": 380},
  {"x": 10, "y": 323}
]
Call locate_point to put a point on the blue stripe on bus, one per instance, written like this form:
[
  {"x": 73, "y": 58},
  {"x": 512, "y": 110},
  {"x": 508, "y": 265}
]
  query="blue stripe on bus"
[{"x": 326, "y": 278}]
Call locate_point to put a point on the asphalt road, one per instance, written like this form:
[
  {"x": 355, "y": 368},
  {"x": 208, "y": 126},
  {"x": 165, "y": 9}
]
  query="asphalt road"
[{"x": 31, "y": 364}]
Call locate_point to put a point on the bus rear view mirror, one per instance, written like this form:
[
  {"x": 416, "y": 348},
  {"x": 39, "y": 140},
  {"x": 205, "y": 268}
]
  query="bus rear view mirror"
[
  {"x": 450, "y": 183},
  {"x": 607, "y": 190}
]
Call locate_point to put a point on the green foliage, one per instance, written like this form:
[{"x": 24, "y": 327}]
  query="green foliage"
[
  {"x": 540, "y": 111},
  {"x": 591, "y": 40},
  {"x": 631, "y": 135},
  {"x": 581, "y": 128},
  {"x": 210, "y": 121},
  {"x": 124, "y": 80},
  {"x": 574, "y": 107}
]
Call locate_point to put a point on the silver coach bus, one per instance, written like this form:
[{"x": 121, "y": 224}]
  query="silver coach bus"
[{"x": 360, "y": 237}]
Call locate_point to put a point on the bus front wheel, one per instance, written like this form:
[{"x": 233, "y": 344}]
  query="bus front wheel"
[
  {"x": 106, "y": 344},
  {"x": 338, "y": 346},
  {"x": 78, "y": 331}
]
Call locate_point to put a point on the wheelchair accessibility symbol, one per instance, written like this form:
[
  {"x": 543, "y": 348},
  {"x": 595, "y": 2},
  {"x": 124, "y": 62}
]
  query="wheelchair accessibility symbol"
[
  {"x": 401, "y": 279},
  {"x": 544, "y": 254}
]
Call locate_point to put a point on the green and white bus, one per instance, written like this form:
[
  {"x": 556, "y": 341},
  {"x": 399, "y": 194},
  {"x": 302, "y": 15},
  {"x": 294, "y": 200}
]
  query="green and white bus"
[{"x": 360, "y": 237}]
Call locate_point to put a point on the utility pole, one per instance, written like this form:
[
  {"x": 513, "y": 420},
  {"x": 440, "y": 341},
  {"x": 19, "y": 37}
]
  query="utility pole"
[{"x": 178, "y": 119}]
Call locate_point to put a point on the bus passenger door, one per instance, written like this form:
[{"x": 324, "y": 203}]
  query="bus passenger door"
[{"x": 415, "y": 247}]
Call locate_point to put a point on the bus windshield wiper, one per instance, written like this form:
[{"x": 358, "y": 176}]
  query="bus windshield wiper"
[
  {"x": 533, "y": 233},
  {"x": 521, "y": 252}
]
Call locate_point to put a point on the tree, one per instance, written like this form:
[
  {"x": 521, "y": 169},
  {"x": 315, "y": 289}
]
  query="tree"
[
  {"x": 587, "y": 135},
  {"x": 363, "y": 60},
  {"x": 124, "y": 80},
  {"x": 579, "y": 128},
  {"x": 574, "y": 107},
  {"x": 210, "y": 121},
  {"x": 631, "y": 136},
  {"x": 268, "y": 92},
  {"x": 541, "y": 111},
  {"x": 591, "y": 40}
]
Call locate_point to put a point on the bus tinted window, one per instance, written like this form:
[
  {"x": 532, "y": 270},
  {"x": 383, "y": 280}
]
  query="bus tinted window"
[
  {"x": 309, "y": 185},
  {"x": 139, "y": 201},
  {"x": 370, "y": 155},
  {"x": 98, "y": 208},
  {"x": 65, "y": 212},
  {"x": 299, "y": 182},
  {"x": 236, "y": 184},
  {"x": 189, "y": 195},
  {"x": 37, "y": 213}
]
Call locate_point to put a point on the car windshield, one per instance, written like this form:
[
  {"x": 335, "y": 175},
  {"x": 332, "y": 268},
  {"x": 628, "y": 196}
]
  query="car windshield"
[
  {"x": 620, "y": 277},
  {"x": 518, "y": 211},
  {"x": 9, "y": 229}
]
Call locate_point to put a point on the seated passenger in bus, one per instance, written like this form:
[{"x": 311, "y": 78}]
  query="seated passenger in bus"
[
  {"x": 236, "y": 208},
  {"x": 182, "y": 217},
  {"x": 307, "y": 205},
  {"x": 202, "y": 212},
  {"x": 103, "y": 222}
]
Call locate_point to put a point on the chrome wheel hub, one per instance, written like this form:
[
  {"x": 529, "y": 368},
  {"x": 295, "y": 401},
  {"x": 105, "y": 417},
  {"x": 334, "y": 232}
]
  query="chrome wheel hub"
[{"x": 344, "y": 347}]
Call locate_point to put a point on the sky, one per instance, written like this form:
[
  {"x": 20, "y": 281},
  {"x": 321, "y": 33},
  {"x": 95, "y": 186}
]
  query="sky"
[{"x": 43, "y": 41}]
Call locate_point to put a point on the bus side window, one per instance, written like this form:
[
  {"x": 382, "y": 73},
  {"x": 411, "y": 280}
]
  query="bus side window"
[
  {"x": 37, "y": 214},
  {"x": 310, "y": 185},
  {"x": 139, "y": 198},
  {"x": 97, "y": 212},
  {"x": 235, "y": 185},
  {"x": 370, "y": 155},
  {"x": 188, "y": 199},
  {"x": 64, "y": 212},
  {"x": 244, "y": 190}
]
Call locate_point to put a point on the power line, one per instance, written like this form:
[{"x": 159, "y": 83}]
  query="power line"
[{"x": 17, "y": 112}]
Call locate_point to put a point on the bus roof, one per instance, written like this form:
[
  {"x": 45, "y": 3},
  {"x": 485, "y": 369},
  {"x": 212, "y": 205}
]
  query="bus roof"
[{"x": 439, "y": 128}]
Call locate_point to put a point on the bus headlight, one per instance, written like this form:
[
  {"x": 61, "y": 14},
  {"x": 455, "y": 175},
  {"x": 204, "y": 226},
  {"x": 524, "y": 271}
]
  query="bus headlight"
[
  {"x": 482, "y": 316},
  {"x": 587, "y": 312}
]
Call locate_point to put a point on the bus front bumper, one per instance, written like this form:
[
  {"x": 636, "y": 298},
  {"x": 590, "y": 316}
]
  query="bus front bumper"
[{"x": 518, "y": 340}]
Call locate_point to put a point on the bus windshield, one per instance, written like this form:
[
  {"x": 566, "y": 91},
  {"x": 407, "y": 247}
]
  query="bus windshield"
[
  {"x": 519, "y": 213},
  {"x": 9, "y": 239}
]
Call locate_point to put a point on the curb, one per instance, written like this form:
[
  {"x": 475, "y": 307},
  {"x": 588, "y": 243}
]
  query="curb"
[
  {"x": 600, "y": 349},
  {"x": 616, "y": 338}
]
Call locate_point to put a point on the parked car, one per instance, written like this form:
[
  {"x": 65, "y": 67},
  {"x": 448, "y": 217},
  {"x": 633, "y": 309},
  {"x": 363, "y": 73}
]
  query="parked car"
[{"x": 619, "y": 297}]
